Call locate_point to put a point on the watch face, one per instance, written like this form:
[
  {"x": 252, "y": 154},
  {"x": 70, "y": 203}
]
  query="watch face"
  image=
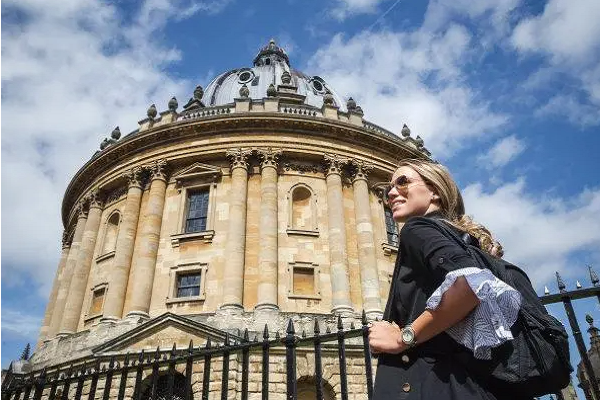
[{"x": 408, "y": 336}]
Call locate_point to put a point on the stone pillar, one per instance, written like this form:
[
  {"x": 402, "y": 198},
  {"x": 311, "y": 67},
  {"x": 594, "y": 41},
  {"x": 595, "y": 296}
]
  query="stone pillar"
[
  {"x": 81, "y": 272},
  {"x": 367, "y": 258},
  {"x": 63, "y": 290},
  {"x": 144, "y": 264},
  {"x": 267, "y": 256},
  {"x": 119, "y": 276},
  {"x": 55, "y": 286},
  {"x": 338, "y": 257},
  {"x": 233, "y": 289}
]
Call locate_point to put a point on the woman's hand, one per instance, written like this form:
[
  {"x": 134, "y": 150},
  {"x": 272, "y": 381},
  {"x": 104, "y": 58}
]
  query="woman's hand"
[{"x": 384, "y": 337}]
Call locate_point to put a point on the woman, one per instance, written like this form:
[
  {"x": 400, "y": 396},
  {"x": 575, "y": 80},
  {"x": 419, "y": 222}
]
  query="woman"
[{"x": 428, "y": 350}]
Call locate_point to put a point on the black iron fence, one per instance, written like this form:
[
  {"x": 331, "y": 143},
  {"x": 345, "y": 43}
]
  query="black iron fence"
[{"x": 169, "y": 374}]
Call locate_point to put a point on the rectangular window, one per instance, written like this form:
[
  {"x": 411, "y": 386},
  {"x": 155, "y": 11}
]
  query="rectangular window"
[
  {"x": 304, "y": 281},
  {"x": 188, "y": 285},
  {"x": 197, "y": 211},
  {"x": 97, "y": 301},
  {"x": 391, "y": 228}
]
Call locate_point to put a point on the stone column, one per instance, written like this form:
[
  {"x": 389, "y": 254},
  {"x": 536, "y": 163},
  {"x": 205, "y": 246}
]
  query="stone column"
[
  {"x": 119, "y": 276},
  {"x": 63, "y": 290},
  {"x": 338, "y": 257},
  {"x": 367, "y": 258},
  {"x": 144, "y": 265},
  {"x": 233, "y": 289},
  {"x": 267, "y": 256},
  {"x": 55, "y": 286},
  {"x": 81, "y": 272}
]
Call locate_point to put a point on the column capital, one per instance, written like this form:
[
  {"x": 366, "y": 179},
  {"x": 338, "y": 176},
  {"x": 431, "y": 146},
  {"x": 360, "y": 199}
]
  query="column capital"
[
  {"x": 66, "y": 239},
  {"x": 134, "y": 177},
  {"x": 361, "y": 169},
  {"x": 334, "y": 163},
  {"x": 238, "y": 158},
  {"x": 269, "y": 157},
  {"x": 96, "y": 199},
  {"x": 81, "y": 209},
  {"x": 158, "y": 170}
]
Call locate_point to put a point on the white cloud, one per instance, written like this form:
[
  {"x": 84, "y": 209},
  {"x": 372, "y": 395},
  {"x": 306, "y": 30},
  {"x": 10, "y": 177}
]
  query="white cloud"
[
  {"x": 343, "y": 9},
  {"x": 19, "y": 325},
  {"x": 568, "y": 34},
  {"x": 71, "y": 71},
  {"x": 502, "y": 152},
  {"x": 414, "y": 78},
  {"x": 538, "y": 233}
]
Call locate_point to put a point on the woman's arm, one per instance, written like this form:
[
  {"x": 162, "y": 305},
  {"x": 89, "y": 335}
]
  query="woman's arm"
[{"x": 457, "y": 302}]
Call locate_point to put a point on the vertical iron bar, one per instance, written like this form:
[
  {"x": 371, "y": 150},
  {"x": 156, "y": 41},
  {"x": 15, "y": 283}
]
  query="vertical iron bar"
[
  {"x": 225, "y": 376},
  {"x": 154, "y": 379},
  {"x": 318, "y": 363},
  {"x": 290, "y": 358},
  {"x": 17, "y": 393},
  {"x": 137, "y": 390},
  {"x": 245, "y": 365},
  {"x": 67, "y": 385},
  {"x": 580, "y": 345},
  {"x": 188, "y": 372},
  {"x": 39, "y": 386},
  {"x": 206, "y": 374},
  {"x": 94, "y": 383},
  {"x": 265, "y": 364},
  {"x": 28, "y": 386},
  {"x": 54, "y": 384},
  {"x": 80, "y": 382},
  {"x": 171, "y": 376},
  {"x": 123, "y": 379},
  {"x": 108, "y": 381},
  {"x": 342, "y": 353},
  {"x": 367, "y": 353}
]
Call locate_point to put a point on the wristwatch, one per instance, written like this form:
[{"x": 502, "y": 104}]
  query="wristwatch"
[{"x": 408, "y": 336}]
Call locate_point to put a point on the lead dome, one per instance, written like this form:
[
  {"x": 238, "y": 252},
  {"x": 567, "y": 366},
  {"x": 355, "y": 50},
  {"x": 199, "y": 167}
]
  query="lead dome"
[{"x": 269, "y": 66}]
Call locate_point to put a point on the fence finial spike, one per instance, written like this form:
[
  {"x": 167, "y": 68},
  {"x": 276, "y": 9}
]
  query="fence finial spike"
[
  {"x": 111, "y": 364},
  {"x": 174, "y": 349},
  {"x": 157, "y": 353},
  {"x": 593, "y": 276},
  {"x": 208, "y": 343},
  {"x": 246, "y": 337},
  {"x": 303, "y": 332},
  {"x": 317, "y": 329},
  {"x": 290, "y": 328},
  {"x": 141, "y": 356},
  {"x": 277, "y": 335},
  {"x": 578, "y": 285},
  {"x": 266, "y": 332},
  {"x": 340, "y": 324},
  {"x": 363, "y": 317},
  {"x": 226, "y": 342},
  {"x": 546, "y": 290},
  {"x": 560, "y": 282}
]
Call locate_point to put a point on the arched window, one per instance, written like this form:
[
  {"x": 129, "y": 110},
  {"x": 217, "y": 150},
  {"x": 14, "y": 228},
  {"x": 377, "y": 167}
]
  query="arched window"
[
  {"x": 302, "y": 209},
  {"x": 307, "y": 390},
  {"x": 391, "y": 228},
  {"x": 110, "y": 234},
  {"x": 162, "y": 388}
]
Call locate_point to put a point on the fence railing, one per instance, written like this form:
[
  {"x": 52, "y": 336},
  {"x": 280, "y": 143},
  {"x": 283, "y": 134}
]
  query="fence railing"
[{"x": 211, "y": 369}]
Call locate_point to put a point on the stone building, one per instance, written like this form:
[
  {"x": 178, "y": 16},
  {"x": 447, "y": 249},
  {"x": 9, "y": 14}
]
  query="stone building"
[{"x": 257, "y": 202}]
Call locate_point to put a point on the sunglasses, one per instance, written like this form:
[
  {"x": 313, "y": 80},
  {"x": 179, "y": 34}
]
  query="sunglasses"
[{"x": 402, "y": 184}]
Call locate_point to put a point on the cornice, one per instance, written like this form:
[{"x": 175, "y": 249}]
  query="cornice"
[{"x": 247, "y": 123}]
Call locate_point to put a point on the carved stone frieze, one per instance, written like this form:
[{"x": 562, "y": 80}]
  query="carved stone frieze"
[
  {"x": 334, "y": 163},
  {"x": 303, "y": 168},
  {"x": 238, "y": 158},
  {"x": 116, "y": 194},
  {"x": 269, "y": 157},
  {"x": 81, "y": 210}
]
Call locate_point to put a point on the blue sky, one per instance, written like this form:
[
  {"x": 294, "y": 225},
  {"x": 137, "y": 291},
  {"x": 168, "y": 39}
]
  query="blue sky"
[{"x": 506, "y": 93}]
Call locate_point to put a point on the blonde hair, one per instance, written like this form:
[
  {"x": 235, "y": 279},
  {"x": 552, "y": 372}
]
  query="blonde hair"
[{"x": 451, "y": 203}]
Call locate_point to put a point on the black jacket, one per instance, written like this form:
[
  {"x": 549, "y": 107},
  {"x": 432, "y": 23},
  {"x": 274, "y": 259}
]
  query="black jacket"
[{"x": 436, "y": 369}]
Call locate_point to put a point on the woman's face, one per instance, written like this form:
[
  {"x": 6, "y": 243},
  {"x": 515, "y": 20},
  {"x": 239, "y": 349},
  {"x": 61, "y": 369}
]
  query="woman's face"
[{"x": 410, "y": 196}]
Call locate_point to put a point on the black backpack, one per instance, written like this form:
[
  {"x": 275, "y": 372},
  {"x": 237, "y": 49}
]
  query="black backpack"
[{"x": 536, "y": 362}]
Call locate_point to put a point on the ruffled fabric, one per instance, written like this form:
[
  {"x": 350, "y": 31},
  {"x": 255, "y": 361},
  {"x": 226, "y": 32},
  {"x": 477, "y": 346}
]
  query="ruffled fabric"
[{"x": 488, "y": 325}]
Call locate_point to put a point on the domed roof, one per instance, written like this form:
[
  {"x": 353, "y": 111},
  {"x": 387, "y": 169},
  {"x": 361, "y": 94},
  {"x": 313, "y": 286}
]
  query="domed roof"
[{"x": 269, "y": 65}]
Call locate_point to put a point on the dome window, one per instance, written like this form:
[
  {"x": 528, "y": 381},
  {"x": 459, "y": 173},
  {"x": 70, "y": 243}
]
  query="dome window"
[
  {"x": 245, "y": 76},
  {"x": 318, "y": 85},
  {"x": 268, "y": 61}
]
